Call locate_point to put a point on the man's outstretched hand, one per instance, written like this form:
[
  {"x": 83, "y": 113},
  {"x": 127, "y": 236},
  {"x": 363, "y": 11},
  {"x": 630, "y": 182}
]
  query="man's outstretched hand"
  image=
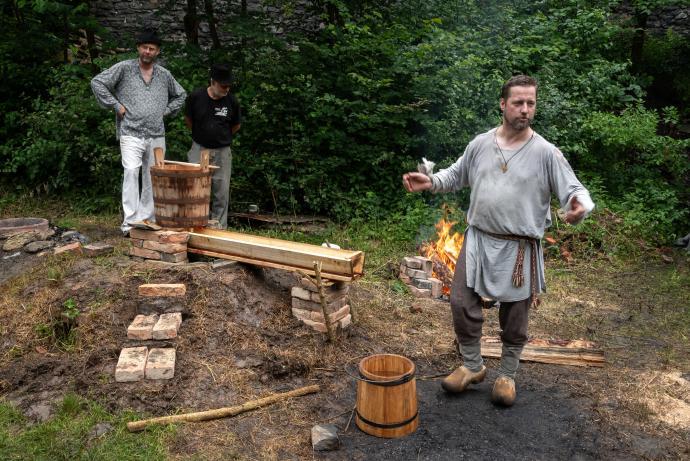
[
  {"x": 416, "y": 182},
  {"x": 576, "y": 212}
]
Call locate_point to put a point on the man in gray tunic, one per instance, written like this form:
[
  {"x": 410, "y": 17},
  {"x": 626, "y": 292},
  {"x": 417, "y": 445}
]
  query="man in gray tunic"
[
  {"x": 141, "y": 93},
  {"x": 512, "y": 172}
]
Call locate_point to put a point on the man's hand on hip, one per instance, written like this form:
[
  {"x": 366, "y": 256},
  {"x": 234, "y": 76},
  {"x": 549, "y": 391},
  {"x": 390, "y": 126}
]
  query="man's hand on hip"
[{"x": 121, "y": 113}]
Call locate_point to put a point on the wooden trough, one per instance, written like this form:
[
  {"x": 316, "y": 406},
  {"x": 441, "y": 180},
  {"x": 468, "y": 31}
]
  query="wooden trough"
[{"x": 342, "y": 265}]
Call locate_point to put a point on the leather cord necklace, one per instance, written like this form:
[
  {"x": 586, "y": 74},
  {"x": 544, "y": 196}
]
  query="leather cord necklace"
[{"x": 504, "y": 166}]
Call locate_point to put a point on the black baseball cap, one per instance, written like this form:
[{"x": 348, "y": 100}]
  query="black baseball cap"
[{"x": 148, "y": 36}]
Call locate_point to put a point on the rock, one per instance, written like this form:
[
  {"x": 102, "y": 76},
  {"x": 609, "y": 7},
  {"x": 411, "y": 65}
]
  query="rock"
[
  {"x": 684, "y": 241},
  {"x": 13, "y": 255},
  {"x": 324, "y": 437},
  {"x": 100, "y": 429},
  {"x": 17, "y": 241},
  {"x": 97, "y": 249},
  {"x": 39, "y": 245}
]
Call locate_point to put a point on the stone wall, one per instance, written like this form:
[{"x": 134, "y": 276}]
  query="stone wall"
[{"x": 124, "y": 19}]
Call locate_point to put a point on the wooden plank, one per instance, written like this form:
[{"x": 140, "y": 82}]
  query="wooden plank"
[
  {"x": 279, "y": 219},
  {"x": 257, "y": 262},
  {"x": 283, "y": 252},
  {"x": 575, "y": 352}
]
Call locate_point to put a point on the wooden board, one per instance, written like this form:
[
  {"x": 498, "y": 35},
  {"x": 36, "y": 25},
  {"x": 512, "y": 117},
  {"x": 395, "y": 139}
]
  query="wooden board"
[
  {"x": 269, "y": 252},
  {"x": 575, "y": 352}
]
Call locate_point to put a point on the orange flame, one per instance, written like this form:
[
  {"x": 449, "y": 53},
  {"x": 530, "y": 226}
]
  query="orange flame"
[{"x": 444, "y": 252}]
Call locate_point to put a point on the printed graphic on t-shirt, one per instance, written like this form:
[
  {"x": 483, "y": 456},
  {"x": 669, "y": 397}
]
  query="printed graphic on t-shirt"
[{"x": 221, "y": 111}]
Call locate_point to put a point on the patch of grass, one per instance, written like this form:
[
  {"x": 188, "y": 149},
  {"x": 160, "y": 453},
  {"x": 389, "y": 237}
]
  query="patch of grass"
[{"x": 72, "y": 435}]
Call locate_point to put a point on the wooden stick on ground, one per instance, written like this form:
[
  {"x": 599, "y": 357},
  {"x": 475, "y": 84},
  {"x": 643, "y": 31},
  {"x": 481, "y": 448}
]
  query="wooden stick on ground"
[
  {"x": 135, "y": 426},
  {"x": 322, "y": 297}
]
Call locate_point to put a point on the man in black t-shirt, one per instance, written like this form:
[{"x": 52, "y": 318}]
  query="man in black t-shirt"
[{"x": 213, "y": 114}]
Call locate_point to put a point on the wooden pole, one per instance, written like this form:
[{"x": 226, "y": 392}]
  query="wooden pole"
[
  {"x": 136, "y": 426},
  {"x": 322, "y": 297},
  {"x": 159, "y": 157}
]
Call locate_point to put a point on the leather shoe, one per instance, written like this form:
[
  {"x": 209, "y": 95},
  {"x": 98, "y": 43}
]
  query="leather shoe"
[
  {"x": 458, "y": 380},
  {"x": 503, "y": 392}
]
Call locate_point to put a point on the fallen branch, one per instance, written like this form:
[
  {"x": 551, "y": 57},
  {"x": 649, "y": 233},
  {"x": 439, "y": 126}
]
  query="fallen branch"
[{"x": 135, "y": 426}]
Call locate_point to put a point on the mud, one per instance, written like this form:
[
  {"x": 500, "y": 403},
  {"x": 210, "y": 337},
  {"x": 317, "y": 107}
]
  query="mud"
[{"x": 239, "y": 341}]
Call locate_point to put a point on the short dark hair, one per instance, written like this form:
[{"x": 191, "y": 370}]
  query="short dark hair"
[
  {"x": 518, "y": 80},
  {"x": 148, "y": 36}
]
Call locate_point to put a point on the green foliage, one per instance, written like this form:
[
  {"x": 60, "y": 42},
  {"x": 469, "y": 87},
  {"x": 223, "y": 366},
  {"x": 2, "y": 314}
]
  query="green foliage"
[
  {"x": 333, "y": 118},
  {"x": 69, "y": 435},
  {"x": 70, "y": 309}
]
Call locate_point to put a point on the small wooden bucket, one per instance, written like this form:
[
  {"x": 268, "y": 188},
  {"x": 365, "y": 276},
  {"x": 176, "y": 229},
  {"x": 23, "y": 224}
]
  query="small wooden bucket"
[
  {"x": 387, "y": 396},
  {"x": 181, "y": 194}
]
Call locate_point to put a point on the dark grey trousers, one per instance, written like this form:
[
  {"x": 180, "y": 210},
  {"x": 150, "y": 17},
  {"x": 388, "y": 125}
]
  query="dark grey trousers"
[{"x": 468, "y": 318}]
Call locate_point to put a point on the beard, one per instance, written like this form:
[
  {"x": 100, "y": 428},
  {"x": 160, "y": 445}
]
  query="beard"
[
  {"x": 146, "y": 59},
  {"x": 518, "y": 123}
]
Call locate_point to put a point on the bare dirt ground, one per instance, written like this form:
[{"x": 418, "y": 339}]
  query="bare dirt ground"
[{"x": 239, "y": 341}]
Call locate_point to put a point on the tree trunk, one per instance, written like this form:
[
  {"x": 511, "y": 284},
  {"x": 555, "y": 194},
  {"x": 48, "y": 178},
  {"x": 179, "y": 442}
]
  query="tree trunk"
[
  {"x": 191, "y": 23},
  {"x": 208, "y": 7},
  {"x": 638, "y": 41}
]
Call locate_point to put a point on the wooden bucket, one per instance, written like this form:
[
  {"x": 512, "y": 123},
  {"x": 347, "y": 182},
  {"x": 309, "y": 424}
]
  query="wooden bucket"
[
  {"x": 181, "y": 194},
  {"x": 387, "y": 396}
]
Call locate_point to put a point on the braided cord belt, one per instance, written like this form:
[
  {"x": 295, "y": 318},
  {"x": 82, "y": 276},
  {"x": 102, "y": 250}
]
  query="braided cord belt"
[{"x": 518, "y": 278}]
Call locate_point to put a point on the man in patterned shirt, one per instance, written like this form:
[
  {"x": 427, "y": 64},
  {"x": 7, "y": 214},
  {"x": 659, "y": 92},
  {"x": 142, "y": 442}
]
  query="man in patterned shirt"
[{"x": 141, "y": 93}]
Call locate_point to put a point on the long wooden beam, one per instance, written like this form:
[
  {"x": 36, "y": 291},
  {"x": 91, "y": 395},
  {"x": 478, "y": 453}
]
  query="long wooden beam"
[
  {"x": 575, "y": 352},
  {"x": 343, "y": 265}
]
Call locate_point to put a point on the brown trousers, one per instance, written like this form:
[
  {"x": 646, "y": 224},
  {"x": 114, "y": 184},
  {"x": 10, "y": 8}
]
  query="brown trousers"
[{"x": 468, "y": 315}]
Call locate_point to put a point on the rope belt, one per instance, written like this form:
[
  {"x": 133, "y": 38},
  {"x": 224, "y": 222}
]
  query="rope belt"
[{"x": 518, "y": 278}]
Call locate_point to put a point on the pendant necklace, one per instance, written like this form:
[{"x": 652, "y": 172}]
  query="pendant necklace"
[{"x": 504, "y": 165}]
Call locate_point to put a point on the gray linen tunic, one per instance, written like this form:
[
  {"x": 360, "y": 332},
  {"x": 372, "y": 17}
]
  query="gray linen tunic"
[
  {"x": 515, "y": 202},
  {"x": 146, "y": 103}
]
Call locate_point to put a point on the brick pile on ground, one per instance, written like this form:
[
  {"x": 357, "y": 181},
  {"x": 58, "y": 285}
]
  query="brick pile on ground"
[
  {"x": 162, "y": 245},
  {"x": 138, "y": 361},
  {"x": 415, "y": 272},
  {"x": 306, "y": 304}
]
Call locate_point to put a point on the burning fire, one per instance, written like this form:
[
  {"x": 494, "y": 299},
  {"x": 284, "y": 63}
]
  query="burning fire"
[{"x": 444, "y": 252}]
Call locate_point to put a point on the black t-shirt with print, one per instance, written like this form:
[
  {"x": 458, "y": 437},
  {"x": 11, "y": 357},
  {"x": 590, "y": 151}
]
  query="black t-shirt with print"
[{"x": 212, "y": 119}]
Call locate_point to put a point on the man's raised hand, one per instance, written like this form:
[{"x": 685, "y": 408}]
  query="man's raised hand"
[{"x": 416, "y": 182}]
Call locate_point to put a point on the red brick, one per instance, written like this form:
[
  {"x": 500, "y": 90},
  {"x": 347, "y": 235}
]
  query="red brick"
[
  {"x": 131, "y": 365},
  {"x": 174, "y": 257},
  {"x": 165, "y": 247},
  {"x": 74, "y": 247},
  {"x": 150, "y": 290},
  {"x": 144, "y": 253},
  {"x": 159, "y": 236},
  {"x": 167, "y": 326},
  {"x": 161, "y": 363},
  {"x": 142, "y": 327},
  {"x": 97, "y": 249}
]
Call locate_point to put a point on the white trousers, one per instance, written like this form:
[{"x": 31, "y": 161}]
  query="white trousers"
[{"x": 137, "y": 155}]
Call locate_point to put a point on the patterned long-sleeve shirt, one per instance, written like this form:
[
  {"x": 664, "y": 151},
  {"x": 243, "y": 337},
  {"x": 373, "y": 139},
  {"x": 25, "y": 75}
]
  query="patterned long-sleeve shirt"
[{"x": 145, "y": 103}]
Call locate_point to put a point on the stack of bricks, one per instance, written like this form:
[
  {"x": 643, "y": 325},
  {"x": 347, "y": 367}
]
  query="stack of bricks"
[
  {"x": 138, "y": 361},
  {"x": 306, "y": 304},
  {"x": 416, "y": 272},
  {"x": 162, "y": 245}
]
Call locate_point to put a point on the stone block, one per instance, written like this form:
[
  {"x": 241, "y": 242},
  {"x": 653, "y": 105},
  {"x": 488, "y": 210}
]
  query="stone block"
[
  {"x": 97, "y": 249},
  {"x": 427, "y": 265},
  {"x": 142, "y": 327},
  {"x": 161, "y": 363},
  {"x": 144, "y": 253},
  {"x": 17, "y": 241},
  {"x": 313, "y": 306},
  {"x": 405, "y": 278},
  {"x": 416, "y": 274},
  {"x": 131, "y": 365},
  {"x": 165, "y": 247},
  {"x": 74, "y": 247},
  {"x": 412, "y": 262},
  {"x": 149, "y": 306},
  {"x": 301, "y": 293},
  {"x": 317, "y": 326},
  {"x": 160, "y": 236},
  {"x": 301, "y": 314},
  {"x": 420, "y": 293},
  {"x": 138, "y": 243},
  {"x": 345, "y": 322},
  {"x": 311, "y": 286},
  {"x": 38, "y": 245},
  {"x": 334, "y": 317},
  {"x": 174, "y": 257},
  {"x": 331, "y": 294},
  {"x": 424, "y": 284},
  {"x": 150, "y": 290},
  {"x": 436, "y": 288},
  {"x": 167, "y": 326}
]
